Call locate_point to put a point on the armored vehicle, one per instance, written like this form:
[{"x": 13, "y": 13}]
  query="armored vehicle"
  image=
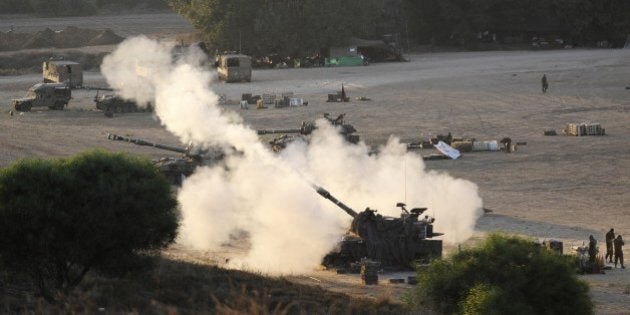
[
  {"x": 289, "y": 135},
  {"x": 110, "y": 103},
  {"x": 234, "y": 67},
  {"x": 396, "y": 243},
  {"x": 52, "y": 95},
  {"x": 177, "y": 168}
]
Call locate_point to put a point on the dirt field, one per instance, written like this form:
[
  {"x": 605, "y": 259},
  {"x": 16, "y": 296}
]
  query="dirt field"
[{"x": 554, "y": 187}]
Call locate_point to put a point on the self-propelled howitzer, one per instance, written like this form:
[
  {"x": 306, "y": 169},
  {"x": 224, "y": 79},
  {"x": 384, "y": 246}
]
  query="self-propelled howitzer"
[
  {"x": 397, "y": 243},
  {"x": 289, "y": 135},
  {"x": 177, "y": 168}
]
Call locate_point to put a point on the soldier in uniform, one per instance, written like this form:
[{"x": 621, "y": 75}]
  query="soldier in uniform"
[
  {"x": 545, "y": 84},
  {"x": 610, "y": 237},
  {"x": 618, "y": 251}
]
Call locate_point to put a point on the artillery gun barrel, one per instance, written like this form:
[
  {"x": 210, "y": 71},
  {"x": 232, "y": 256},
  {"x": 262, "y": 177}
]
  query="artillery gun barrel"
[
  {"x": 89, "y": 88},
  {"x": 147, "y": 143},
  {"x": 324, "y": 193},
  {"x": 265, "y": 132}
]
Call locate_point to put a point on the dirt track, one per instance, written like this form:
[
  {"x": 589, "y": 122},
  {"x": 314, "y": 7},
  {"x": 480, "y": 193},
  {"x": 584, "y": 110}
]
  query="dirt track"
[{"x": 558, "y": 187}]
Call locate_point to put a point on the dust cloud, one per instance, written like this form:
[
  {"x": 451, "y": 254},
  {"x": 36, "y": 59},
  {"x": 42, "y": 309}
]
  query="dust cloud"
[{"x": 269, "y": 196}]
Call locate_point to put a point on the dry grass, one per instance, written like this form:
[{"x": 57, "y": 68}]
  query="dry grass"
[{"x": 175, "y": 287}]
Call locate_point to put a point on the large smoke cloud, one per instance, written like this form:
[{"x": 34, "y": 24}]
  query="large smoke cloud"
[{"x": 290, "y": 227}]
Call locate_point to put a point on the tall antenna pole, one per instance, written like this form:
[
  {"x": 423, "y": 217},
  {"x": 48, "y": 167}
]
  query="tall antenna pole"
[{"x": 405, "y": 175}]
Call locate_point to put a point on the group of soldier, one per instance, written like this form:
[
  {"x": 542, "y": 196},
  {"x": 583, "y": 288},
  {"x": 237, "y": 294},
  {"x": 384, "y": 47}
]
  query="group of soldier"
[
  {"x": 613, "y": 248},
  {"x": 616, "y": 244}
]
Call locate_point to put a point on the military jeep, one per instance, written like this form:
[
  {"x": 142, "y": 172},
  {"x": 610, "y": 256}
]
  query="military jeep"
[{"x": 52, "y": 95}]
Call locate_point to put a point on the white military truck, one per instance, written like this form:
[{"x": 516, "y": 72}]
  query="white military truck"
[
  {"x": 234, "y": 67},
  {"x": 51, "y": 95},
  {"x": 63, "y": 71}
]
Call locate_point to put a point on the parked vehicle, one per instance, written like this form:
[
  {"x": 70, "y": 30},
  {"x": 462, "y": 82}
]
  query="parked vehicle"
[
  {"x": 63, "y": 71},
  {"x": 234, "y": 68},
  {"x": 53, "y": 95}
]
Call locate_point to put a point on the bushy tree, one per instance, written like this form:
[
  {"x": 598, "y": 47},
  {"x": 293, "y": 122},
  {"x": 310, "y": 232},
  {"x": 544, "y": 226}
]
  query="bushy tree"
[
  {"x": 288, "y": 27},
  {"x": 581, "y": 22},
  {"x": 505, "y": 275},
  {"x": 60, "y": 218}
]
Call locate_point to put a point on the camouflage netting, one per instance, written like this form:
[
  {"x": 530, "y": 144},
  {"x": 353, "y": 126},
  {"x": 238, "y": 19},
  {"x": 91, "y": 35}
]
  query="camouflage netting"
[
  {"x": 395, "y": 243},
  {"x": 69, "y": 37},
  {"x": 386, "y": 241}
]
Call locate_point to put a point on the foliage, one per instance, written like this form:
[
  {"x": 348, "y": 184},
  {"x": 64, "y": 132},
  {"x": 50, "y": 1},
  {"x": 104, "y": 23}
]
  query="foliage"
[
  {"x": 61, "y": 218},
  {"x": 579, "y": 22},
  {"x": 505, "y": 275},
  {"x": 293, "y": 28}
]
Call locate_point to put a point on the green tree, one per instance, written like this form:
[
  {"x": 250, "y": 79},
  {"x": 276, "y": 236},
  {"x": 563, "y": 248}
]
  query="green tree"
[
  {"x": 505, "y": 275},
  {"x": 288, "y": 27},
  {"x": 14, "y": 6},
  {"x": 581, "y": 22},
  {"x": 61, "y": 218}
]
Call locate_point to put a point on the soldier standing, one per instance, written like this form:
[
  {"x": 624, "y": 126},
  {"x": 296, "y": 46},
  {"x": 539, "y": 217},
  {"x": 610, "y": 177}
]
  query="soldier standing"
[
  {"x": 545, "y": 84},
  {"x": 610, "y": 237},
  {"x": 618, "y": 251}
]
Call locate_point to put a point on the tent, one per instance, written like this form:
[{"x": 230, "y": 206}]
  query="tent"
[{"x": 359, "y": 50}]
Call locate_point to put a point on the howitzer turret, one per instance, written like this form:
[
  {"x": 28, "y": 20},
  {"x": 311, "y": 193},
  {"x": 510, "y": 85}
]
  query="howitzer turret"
[
  {"x": 111, "y": 103},
  {"x": 175, "y": 169},
  {"x": 397, "y": 243}
]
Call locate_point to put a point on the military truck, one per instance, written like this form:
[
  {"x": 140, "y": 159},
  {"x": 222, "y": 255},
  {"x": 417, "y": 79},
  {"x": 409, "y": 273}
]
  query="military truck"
[
  {"x": 234, "y": 67},
  {"x": 51, "y": 95},
  {"x": 63, "y": 71}
]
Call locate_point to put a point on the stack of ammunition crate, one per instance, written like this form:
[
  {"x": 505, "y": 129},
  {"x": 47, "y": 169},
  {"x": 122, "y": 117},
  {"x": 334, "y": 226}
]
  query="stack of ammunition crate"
[
  {"x": 369, "y": 271},
  {"x": 584, "y": 129},
  {"x": 269, "y": 98}
]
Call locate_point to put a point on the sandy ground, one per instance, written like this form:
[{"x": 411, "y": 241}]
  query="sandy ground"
[{"x": 554, "y": 187}]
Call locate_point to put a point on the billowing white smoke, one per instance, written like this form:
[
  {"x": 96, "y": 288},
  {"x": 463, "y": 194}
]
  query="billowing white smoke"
[{"x": 290, "y": 227}]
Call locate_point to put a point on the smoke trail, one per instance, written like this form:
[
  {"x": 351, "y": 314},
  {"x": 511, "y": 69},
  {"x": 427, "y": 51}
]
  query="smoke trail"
[{"x": 290, "y": 227}]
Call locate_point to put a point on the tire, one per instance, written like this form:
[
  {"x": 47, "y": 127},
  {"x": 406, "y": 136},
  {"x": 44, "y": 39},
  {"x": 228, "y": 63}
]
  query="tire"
[
  {"x": 58, "y": 105},
  {"x": 26, "y": 107}
]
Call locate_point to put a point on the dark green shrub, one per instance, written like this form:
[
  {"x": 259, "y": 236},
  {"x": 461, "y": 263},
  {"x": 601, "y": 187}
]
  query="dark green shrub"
[
  {"x": 61, "y": 218},
  {"x": 506, "y": 275}
]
